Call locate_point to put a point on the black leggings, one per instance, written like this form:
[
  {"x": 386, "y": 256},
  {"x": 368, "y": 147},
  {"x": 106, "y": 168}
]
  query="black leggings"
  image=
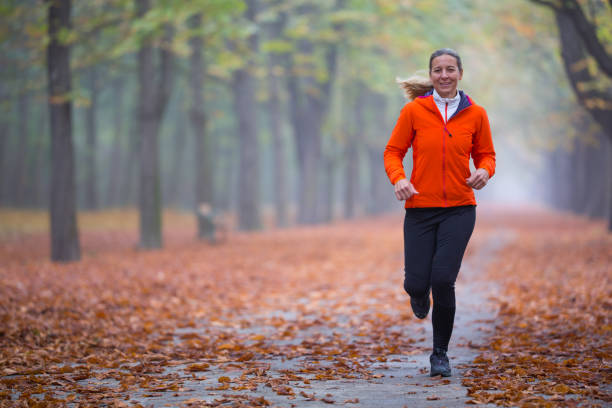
[{"x": 434, "y": 243}]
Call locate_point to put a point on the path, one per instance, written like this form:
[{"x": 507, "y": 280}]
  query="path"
[
  {"x": 403, "y": 380},
  {"x": 300, "y": 317}
]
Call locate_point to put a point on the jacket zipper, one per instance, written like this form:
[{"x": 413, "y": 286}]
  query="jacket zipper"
[{"x": 444, "y": 155}]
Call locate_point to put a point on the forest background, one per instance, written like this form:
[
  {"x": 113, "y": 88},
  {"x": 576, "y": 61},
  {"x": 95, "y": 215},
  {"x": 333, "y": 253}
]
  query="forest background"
[{"x": 277, "y": 112}]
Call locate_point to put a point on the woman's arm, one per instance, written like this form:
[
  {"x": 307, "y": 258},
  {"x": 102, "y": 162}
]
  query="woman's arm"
[
  {"x": 483, "y": 152},
  {"x": 399, "y": 142}
]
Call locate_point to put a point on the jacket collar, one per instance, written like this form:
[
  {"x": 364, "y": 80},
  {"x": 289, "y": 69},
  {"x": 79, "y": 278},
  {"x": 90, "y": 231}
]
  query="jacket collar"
[{"x": 464, "y": 102}]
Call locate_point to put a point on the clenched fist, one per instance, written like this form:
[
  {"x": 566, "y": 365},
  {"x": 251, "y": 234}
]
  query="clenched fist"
[
  {"x": 404, "y": 189},
  {"x": 478, "y": 179}
]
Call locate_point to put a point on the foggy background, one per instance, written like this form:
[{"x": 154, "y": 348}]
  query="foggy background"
[{"x": 277, "y": 112}]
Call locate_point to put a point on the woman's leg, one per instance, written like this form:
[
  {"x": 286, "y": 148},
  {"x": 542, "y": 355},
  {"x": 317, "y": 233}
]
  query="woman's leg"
[
  {"x": 454, "y": 232},
  {"x": 419, "y": 247}
]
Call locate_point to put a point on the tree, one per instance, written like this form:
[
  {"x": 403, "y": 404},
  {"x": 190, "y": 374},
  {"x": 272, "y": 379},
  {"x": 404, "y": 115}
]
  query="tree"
[
  {"x": 309, "y": 102},
  {"x": 579, "y": 41},
  {"x": 277, "y": 57},
  {"x": 153, "y": 94},
  {"x": 203, "y": 154},
  {"x": 64, "y": 234},
  {"x": 91, "y": 183},
  {"x": 243, "y": 88}
]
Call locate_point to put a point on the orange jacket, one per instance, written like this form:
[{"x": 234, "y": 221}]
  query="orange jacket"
[{"x": 441, "y": 153}]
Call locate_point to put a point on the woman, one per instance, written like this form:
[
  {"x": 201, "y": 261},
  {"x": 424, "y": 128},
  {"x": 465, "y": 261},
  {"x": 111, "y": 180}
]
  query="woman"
[{"x": 444, "y": 127}]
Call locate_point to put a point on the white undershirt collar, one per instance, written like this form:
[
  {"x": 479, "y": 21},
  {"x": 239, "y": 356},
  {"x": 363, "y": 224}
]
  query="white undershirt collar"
[{"x": 453, "y": 104}]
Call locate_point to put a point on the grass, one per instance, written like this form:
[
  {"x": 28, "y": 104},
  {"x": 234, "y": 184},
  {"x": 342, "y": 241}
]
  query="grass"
[{"x": 20, "y": 222}]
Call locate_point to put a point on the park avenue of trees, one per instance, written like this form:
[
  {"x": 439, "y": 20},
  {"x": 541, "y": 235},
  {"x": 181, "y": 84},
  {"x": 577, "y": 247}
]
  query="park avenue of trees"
[{"x": 281, "y": 109}]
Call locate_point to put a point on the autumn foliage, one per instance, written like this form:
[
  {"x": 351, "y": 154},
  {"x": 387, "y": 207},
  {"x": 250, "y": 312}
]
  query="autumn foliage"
[
  {"x": 552, "y": 345},
  {"x": 280, "y": 310}
]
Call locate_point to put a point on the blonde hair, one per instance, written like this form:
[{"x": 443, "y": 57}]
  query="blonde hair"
[{"x": 415, "y": 86}]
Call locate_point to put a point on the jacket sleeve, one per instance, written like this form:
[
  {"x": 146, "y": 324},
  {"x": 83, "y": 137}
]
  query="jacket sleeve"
[
  {"x": 399, "y": 142},
  {"x": 483, "y": 152}
]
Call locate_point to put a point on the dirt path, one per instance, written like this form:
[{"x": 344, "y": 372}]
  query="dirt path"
[{"x": 400, "y": 381}]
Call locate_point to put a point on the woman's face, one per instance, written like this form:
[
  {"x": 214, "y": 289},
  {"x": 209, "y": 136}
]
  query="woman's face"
[{"x": 445, "y": 75}]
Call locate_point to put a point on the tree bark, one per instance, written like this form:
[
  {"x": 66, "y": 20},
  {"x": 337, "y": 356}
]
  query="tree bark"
[
  {"x": 309, "y": 103},
  {"x": 584, "y": 30},
  {"x": 20, "y": 160},
  {"x": 152, "y": 99},
  {"x": 172, "y": 186},
  {"x": 91, "y": 181},
  {"x": 244, "y": 101},
  {"x": 130, "y": 182},
  {"x": 64, "y": 234},
  {"x": 116, "y": 160},
  {"x": 588, "y": 35},
  {"x": 4, "y": 168},
  {"x": 204, "y": 176},
  {"x": 573, "y": 53},
  {"x": 39, "y": 168},
  {"x": 4, "y": 145},
  {"x": 330, "y": 162},
  {"x": 352, "y": 179},
  {"x": 597, "y": 177},
  {"x": 275, "y": 67}
]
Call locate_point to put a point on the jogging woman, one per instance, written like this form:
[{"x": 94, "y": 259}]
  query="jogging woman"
[{"x": 445, "y": 128}]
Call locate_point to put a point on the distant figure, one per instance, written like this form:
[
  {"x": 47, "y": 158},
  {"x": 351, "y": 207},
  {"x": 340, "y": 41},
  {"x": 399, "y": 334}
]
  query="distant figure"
[
  {"x": 211, "y": 226},
  {"x": 444, "y": 127}
]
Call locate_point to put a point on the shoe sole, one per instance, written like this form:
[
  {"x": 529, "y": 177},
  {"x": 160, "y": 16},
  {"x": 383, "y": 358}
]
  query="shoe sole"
[{"x": 443, "y": 374}]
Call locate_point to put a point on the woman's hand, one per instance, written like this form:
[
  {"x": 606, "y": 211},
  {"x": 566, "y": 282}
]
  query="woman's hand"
[
  {"x": 478, "y": 179},
  {"x": 404, "y": 190}
]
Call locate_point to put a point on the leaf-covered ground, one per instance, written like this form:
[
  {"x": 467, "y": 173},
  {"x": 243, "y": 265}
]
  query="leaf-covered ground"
[
  {"x": 553, "y": 340},
  {"x": 124, "y": 325}
]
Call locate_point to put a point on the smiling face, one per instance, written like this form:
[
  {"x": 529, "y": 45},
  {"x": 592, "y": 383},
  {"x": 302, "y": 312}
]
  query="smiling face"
[{"x": 445, "y": 75}]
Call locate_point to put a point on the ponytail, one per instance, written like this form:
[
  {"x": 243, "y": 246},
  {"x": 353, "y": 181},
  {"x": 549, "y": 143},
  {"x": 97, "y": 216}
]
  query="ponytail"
[{"x": 415, "y": 86}]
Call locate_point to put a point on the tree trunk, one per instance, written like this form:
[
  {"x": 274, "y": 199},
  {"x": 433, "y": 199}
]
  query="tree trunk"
[
  {"x": 350, "y": 178},
  {"x": 172, "y": 186},
  {"x": 276, "y": 65},
  {"x": 130, "y": 181},
  {"x": 597, "y": 177},
  {"x": 4, "y": 145},
  {"x": 572, "y": 52},
  {"x": 278, "y": 140},
  {"x": 39, "y": 170},
  {"x": 20, "y": 160},
  {"x": 116, "y": 160},
  {"x": 309, "y": 103},
  {"x": 380, "y": 192},
  {"x": 64, "y": 234},
  {"x": 378, "y": 184},
  {"x": 244, "y": 100},
  {"x": 609, "y": 188},
  {"x": 91, "y": 180},
  {"x": 150, "y": 197},
  {"x": 152, "y": 99},
  {"x": 4, "y": 168},
  {"x": 204, "y": 177},
  {"x": 595, "y": 102},
  {"x": 330, "y": 187},
  {"x": 579, "y": 194}
]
